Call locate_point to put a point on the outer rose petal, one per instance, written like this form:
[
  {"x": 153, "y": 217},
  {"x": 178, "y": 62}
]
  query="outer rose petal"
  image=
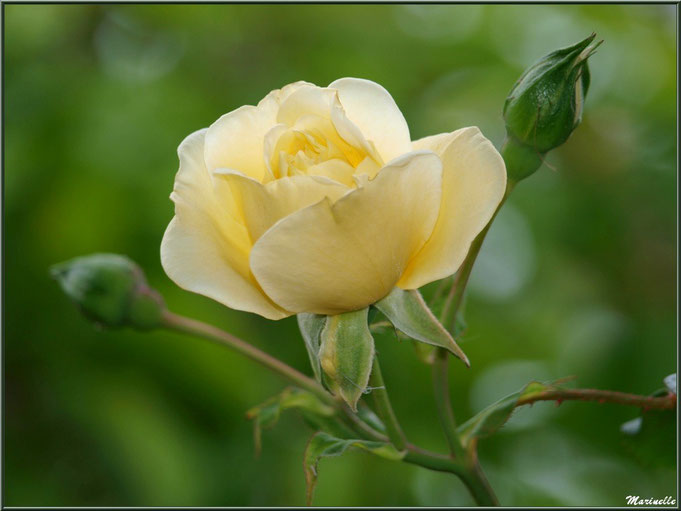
[
  {"x": 304, "y": 101},
  {"x": 205, "y": 249},
  {"x": 333, "y": 258},
  {"x": 278, "y": 96},
  {"x": 236, "y": 140},
  {"x": 373, "y": 110},
  {"x": 264, "y": 205},
  {"x": 473, "y": 184}
]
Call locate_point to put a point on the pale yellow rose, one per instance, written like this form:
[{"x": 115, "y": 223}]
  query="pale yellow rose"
[{"x": 317, "y": 200}]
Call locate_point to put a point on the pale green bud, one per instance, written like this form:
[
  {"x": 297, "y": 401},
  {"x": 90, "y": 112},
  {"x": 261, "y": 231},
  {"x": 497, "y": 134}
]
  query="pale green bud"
[{"x": 111, "y": 290}]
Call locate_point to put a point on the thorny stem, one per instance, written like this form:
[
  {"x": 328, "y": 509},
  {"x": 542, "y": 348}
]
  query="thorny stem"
[{"x": 667, "y": 402}]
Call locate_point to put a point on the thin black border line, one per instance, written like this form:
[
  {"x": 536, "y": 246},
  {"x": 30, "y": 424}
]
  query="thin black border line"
[
  {"x": 344, "y": 2},
  {"x": 2, "y": 254}
]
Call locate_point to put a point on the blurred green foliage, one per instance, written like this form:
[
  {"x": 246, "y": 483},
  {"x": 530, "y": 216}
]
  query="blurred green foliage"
[{"x": 577, "y": 276}]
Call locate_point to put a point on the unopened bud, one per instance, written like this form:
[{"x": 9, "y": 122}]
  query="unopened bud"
[
  {"x": 111, "y": 290},
  {"x": 545, "y": 106}
]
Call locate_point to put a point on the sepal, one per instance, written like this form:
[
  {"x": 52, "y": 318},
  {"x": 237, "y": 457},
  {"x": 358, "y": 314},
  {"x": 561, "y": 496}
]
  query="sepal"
[
  {"x": 311, "y": 326},
  {"x": 346, "y": 354},
  {"x": 408, "y": 311}
]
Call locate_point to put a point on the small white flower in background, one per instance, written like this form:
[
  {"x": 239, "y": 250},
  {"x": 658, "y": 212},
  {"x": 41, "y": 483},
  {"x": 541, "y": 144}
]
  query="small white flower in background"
[{"x": 317, "y": 200}]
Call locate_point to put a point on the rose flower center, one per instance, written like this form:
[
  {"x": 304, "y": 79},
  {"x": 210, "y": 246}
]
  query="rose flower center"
[{"x": 313, "y": 147}]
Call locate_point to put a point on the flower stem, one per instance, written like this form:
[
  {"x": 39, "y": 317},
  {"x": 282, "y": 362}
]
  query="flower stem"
[
  {"x": 448, "y": 317},
  {"x": 667, "y": 402},
  {"x": 472, "y": 475},
  {"x": 476, "y": 481},
  {"x": 468, "y": 467},
  {"x": 479, "y": 487},
  {"x": 384, "y": 408},
  {"x": 443, "y": 402},
  {"x": 432, "y": 461},
  {"x": 194, "y": 327}
]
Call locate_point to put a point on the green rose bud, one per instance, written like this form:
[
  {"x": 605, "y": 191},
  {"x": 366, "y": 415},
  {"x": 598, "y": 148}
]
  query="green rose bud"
[
  {"x": 545, "y": 106},
  {"x": 110, "y": 289}
]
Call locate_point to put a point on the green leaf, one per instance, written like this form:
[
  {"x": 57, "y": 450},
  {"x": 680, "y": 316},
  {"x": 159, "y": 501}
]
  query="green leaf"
[
  {"x": 311, "y": 326},
  {"x": 489, "y": 420},
  {"x": 408, "y": 311},
  {"x": 266, "y": 415},
  {"x": 323, "y": 445},
  {"x": 347, "y": 353}
]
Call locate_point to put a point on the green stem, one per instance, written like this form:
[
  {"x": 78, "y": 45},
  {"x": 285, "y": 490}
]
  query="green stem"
[
  {"x": 476, "y": 481},
  {"x": 433, "y": 461},
  {"x": 468, "y": 467},
  {"x": 448, "y": 318},
  {"x": 521, "y": 161},
  {"x": 469, "y": 472},
  {"x": 194, "y": 327},
  {"x": 443, "y": 403},
  {"x": 472, "y": 475},
  {"x": 384, "y": 408}
]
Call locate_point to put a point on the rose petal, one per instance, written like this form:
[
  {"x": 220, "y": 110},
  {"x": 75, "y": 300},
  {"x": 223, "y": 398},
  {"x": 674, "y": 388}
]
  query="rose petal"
[
  {"x": 332, "y": 258},
  {"x": 306, "y": 100},
  {"x": 353, "y": 136},
  {"x": 308, "y": 107},
  {"x": 335, "y": 169},
  {"x": 373, "y": 110},
  {"x": 236, "y": 140},
  {"x": 264, "y": 205},
  {"x": 473, "y": 184},
  {"x": 205, "y": 249},
  {"x": 278, "y": 96}
]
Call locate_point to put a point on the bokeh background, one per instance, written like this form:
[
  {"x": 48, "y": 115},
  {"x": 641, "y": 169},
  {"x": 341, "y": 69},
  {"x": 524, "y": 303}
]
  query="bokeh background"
[{"x": 577, "y": 277}]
